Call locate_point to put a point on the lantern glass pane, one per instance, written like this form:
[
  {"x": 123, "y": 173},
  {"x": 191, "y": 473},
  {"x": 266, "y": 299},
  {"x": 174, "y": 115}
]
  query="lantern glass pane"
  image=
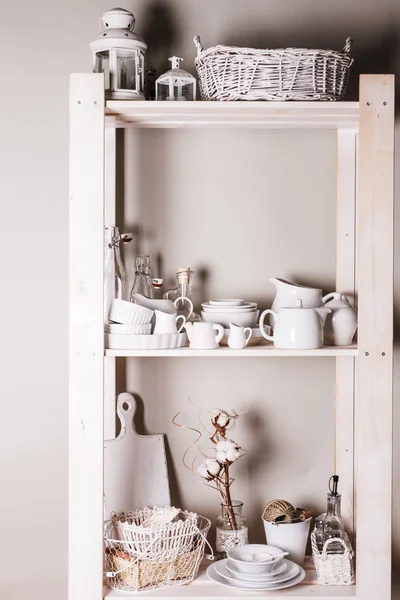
[
  {"x": 126, "y": 69},
  {"x": 180, "y": 92},
  {"x": 102, "y": 65}
]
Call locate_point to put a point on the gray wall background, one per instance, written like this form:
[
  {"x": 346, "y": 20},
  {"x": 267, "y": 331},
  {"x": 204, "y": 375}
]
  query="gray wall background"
[{"x": 42, "y": 44}]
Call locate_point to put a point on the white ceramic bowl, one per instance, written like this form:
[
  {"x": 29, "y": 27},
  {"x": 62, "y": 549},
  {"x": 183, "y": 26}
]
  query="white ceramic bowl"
[
  {"x": 227, "y": 302},
  {"x": 129, "y": 313},
  {"x": 255, "y": 558},
  {"x": 120, "y": 329},
  {"x": 163, "y": 305},
  {"x": 246, "y": 307},
  {"x": 246, "y": 319}
]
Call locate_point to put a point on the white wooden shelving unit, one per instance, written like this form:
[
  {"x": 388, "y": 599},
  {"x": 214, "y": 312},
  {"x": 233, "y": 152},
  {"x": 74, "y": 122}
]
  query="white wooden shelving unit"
[{"x": 363, "y": 398}]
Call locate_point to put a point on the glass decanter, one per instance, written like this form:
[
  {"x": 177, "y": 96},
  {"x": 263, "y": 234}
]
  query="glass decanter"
[
  {"x": 183, "y": 290},
  {"x": 330, "y": 524},
  {"x": 114, "y": 270},
  {"x": 231, "y": 529},
  {"x": 143, "y": 281}
]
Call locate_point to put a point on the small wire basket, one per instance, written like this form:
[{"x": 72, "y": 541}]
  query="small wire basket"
[{"x": 143, "y": 553}]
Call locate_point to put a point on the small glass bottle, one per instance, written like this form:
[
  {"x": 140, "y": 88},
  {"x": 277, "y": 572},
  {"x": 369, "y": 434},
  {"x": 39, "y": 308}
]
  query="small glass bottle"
[
  {"x": 231, "y": 530},
  {"x": 183, "y": 290},
  {"x": 114, "y": 270},
  {"x": 330, "y": 524},
  {"x": 143, "y": 282}
]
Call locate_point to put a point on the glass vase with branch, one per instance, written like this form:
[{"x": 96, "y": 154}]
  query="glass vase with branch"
[{"x": 215, "y": 471}]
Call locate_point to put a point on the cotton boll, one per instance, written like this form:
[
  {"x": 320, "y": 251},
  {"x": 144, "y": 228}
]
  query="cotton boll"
[
  {"x": 213, "y": 466},
  {"x": 221, "y": 456},
  {"x": 202, "y": 470},
  {"x": 232, "y": 455}
]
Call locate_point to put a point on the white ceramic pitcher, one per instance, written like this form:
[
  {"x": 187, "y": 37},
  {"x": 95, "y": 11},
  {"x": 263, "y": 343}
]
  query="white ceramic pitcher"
[
  {"x": 297, "y": 328},
  {"x": 238, "y": 337},
  {"x": 287, "y": 293},
  {"x": 203, "y": 336},
  {"x": 168, "y": 323}
]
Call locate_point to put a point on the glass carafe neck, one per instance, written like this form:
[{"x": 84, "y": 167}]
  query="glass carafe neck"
[{"x": 334, "y": 505}]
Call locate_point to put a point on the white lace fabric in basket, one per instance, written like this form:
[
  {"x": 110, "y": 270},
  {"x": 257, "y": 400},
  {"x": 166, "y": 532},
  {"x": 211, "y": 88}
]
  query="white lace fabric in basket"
[{"x": 230, "y": 539}]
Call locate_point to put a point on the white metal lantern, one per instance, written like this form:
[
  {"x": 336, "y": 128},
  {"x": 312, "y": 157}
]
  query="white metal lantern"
[
  {"x": 118, "y": 52},
  {"x": 176, "y": 84}
]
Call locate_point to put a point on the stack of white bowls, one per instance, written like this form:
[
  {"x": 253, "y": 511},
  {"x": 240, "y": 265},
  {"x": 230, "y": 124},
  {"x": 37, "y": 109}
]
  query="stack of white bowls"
[
  {"x": 231, "y": 310},
  {"x": 256, "y": 567}
]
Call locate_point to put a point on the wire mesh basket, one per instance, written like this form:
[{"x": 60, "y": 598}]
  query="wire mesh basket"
[
  {"x": 144, "y": 553},
  {"x": 232, "y": 73}
]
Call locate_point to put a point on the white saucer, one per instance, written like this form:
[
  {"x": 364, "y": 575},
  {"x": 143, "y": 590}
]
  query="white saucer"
[
  {"x": 280, "y": 568},
  {"x": 214, "y": 576},
  {"x": 290, "y": 571}
]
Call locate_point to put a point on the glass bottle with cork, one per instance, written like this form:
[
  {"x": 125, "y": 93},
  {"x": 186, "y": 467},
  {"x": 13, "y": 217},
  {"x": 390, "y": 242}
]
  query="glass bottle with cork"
[{"x": 183, "y": 290}]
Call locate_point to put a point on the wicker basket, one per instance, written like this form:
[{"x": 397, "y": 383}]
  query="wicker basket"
[
  {"x": 231, "y": 73},
  {"x": 142, "y": 558},
  {"x": 333, "y": 569}
]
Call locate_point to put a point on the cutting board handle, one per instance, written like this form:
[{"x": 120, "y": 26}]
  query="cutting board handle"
[{"x": 126, "y": 408}]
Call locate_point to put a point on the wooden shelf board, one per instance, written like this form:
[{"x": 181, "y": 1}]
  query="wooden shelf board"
[
  {"x": 262, "y": 351},
  {"x": 268, "y": 115},
  {"x": 202, "y": 587}
]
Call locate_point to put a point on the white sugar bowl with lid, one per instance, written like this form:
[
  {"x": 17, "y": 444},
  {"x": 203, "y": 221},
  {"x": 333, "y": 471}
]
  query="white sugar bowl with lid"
[
  {"x": 341, "y": 324},
  {"x": 296, "y": 327}
]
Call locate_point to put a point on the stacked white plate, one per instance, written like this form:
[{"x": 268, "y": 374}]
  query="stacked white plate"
[
  {"x": 256, "y": 567},
  {"x": 230, "y": 310}
]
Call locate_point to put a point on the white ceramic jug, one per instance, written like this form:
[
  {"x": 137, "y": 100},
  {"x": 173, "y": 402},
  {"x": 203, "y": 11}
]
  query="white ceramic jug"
[
  {"x": 297, "y": 328},
  {"x": 341, "y": 324},
  {"x": 202, "y": 335},
  {"x": 287, "y": 293},
  {"x": 168, "y": 323},
  {"x": 238, "y": 336}
]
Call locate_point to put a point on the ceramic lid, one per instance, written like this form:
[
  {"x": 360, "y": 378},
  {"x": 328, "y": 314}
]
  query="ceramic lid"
[{"x": 338, "y": 301}]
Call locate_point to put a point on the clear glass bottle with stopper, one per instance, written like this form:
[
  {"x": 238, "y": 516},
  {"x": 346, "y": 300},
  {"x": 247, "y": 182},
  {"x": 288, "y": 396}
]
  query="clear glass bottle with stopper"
[
  {"x": 330, "y": 524},
  {"x": 114, "y": 270},
  {"x": 143, "y": 280},
  {"x": 183, "y": 290},
  {"x": 176, "y": 84}
]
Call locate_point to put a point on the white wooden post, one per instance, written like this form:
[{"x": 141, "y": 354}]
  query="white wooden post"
[
  {"x": 109, "y": 221},
  {"x": 86, "y": 336},
  {"x": 375, "y": 337},
  {"x": 345, "y": 282}
]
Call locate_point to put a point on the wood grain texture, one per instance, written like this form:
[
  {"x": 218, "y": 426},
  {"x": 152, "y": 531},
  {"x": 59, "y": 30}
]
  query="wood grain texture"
[
  {"x": 272, "y": 115},
  {"x": 375, "y": 337},
  {"x": 267, "y": 351},
  {"x": 86, "y": 337},
  {"x": 345, "y": 282}
]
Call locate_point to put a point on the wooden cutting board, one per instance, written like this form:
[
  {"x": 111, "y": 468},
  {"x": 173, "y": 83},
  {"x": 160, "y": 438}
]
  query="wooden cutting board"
[{"x": 135, "y": 466}]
